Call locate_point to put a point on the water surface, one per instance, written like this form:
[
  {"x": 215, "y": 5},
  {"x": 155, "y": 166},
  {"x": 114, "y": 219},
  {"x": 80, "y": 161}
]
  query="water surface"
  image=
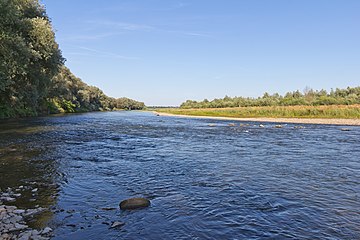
[{"x": 205, "y": 178}]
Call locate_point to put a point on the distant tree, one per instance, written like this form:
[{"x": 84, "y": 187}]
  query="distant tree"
[{"x": 310, "y": 97}]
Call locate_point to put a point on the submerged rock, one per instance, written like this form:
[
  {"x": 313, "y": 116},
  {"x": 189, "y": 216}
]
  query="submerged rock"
[
  {"x": 117, "y": 224},
  {"x": 108, "y": 208},
  {"x": 134, "y": 203}
]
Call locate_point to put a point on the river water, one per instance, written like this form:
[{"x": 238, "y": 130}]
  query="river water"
[{"x": 206, "y": 179}]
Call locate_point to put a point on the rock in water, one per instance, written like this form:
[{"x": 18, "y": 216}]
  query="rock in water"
[
  {"x": 117, "y": 224},
  {"x": 134, "y": 203}
]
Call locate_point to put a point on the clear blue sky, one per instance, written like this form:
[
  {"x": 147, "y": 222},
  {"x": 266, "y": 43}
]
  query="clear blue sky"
[{"x": 163, "y": 52}]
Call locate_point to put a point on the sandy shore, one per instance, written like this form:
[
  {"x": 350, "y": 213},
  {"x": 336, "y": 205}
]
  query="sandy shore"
[{"x": 334, "y": 121}]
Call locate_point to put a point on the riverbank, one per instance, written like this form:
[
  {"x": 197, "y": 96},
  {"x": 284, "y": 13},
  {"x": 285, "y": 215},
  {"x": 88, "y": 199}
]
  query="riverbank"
[
  {"x": 329, "y": 121},
  {"x": 14, "y": 221}
]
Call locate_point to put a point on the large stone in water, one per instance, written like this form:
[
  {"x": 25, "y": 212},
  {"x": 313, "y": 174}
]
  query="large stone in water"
[{"x": 134, "y": 203}]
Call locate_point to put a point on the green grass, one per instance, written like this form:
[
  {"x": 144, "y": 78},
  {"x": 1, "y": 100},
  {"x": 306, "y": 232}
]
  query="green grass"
[{"x": 333, "y": 111}]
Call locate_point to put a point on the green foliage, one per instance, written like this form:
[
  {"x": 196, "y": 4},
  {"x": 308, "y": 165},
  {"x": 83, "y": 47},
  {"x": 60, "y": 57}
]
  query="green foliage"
[
  {"x": 9, "y": 112},
  {"x": 29, "y": 56},
  {"x": 128, "y": 104},
  {"x": 310, "y": 97},
  {"x": 33, "y": 78},
  {"x": 57, "y": 105},
  {"x": 69, "y": 94}
]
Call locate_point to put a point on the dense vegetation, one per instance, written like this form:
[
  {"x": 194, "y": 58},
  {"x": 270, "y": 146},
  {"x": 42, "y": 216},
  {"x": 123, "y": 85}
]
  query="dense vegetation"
[
  {"x": 33, "y": 78},
  {"x": 330, "y": 111},
  {"x": 68, "y": 93},
  {"x": 310, "y": 97}
]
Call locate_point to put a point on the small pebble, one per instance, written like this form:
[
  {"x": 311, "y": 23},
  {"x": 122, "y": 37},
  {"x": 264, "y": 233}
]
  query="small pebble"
[
  {"x": 19, "y": 211},
  {"x": 46, "y": 230},
  {"x": 12, "y": 224},
  {"x": 108, "y": 208},
  {"x": 8, "y": 199}
]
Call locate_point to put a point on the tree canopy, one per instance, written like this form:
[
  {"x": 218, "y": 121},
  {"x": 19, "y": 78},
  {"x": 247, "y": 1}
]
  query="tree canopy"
[
  {"x": 309, "y": 97},
  {"x": 33, "y": 78},
  {"x": 68, "y": 93}
]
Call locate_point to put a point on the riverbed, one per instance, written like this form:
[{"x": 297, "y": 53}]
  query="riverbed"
[{"x": 205, "y": 178}]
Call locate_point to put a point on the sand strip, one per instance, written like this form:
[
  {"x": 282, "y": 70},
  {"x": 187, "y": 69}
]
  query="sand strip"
[{"x": 330, "y": 121}]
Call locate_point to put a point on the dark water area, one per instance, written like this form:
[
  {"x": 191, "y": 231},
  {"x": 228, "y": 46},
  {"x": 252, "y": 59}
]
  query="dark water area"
[{"x": 206, "y": 179}]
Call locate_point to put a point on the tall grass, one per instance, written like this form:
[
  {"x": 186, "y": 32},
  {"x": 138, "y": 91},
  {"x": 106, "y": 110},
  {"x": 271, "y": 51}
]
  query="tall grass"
[{"x": 332, "y": 111}]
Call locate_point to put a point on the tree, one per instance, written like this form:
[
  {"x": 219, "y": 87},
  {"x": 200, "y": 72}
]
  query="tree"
[
  {"x": 29, "y": 56},
  {"x": 33, "y": 78}
]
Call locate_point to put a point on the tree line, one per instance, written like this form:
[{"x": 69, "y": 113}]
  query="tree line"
[
  {"x": 67, "y": 93},
  {"x": 308, "y": 97},
  {"x": 33, "y": 78}
]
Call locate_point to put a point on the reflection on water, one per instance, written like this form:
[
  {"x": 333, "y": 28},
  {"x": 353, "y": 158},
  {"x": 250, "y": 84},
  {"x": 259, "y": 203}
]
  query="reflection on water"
[
  {"x": 207, "y": 179},
  {"x": 24, "y": 163}
]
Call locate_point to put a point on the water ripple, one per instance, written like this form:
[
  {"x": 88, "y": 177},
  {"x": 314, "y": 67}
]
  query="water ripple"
[{"x": 206, "y": 179}]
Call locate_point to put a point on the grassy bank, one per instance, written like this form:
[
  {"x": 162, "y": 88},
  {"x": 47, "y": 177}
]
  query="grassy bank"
[{"x": 333, "y": 111}]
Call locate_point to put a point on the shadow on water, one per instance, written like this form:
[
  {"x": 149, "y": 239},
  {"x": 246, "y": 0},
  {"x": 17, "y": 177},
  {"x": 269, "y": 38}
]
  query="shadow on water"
[{"x": 26, "y": 167}]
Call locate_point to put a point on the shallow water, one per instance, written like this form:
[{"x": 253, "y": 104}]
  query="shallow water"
[{"x": 205, "y": 179}]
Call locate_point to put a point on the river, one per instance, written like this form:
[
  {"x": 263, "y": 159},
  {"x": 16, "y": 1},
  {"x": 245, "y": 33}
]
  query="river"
[{"x": 206, "y": 179}]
